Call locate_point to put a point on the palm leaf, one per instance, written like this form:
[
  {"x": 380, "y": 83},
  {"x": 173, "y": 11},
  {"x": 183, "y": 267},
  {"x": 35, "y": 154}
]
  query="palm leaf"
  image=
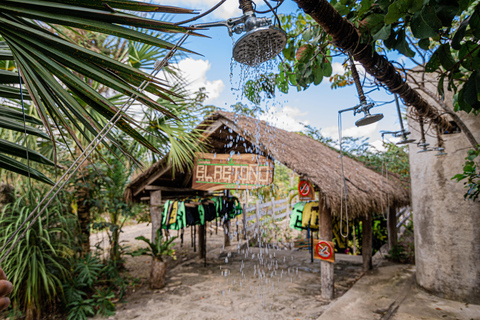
[{"x": 13, "y": 165}]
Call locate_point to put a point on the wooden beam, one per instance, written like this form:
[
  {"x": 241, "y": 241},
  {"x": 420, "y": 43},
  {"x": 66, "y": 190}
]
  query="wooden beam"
[
  {"x": 367, "y": 242},
  {"x": 170, "y": 189},
  {"x": 326, "y": 233},
  {"x": 155, "y": 211},
  {"x": 144, "y": 198},
  {"x": 151, "y": 179}
]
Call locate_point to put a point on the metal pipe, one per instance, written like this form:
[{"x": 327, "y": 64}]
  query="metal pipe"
[
  {"x": 399, "y": 113},
  {"x": 246, "y": 6},
  {"x": 356, "y": 78}
]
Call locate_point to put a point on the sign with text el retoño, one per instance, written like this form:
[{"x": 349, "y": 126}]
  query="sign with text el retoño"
[
  {"x": 223, "y": 171},
  {"x": 324, "y": 250}
]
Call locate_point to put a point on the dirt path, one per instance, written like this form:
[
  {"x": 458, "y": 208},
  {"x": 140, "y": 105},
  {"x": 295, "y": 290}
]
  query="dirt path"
[{"x": 237, "y": 283}]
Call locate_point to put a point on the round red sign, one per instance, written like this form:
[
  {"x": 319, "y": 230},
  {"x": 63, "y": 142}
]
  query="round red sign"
[
  {"x": 304, "y": 188},
  {"x": 324, "y": 250}
]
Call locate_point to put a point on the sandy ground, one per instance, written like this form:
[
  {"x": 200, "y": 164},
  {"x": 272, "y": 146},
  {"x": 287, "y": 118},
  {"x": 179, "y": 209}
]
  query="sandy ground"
[{"x": 238, "y": 282}]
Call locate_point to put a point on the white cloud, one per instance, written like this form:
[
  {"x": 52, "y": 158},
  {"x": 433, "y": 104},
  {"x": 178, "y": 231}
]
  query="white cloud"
[
  {"x": 195, "y": 73},
  {"x": 337, "y": 68},
  {"x": 285, "y": 118},
  {"x": 355, "y": 132},
  {"x": 227, "y": 10}
]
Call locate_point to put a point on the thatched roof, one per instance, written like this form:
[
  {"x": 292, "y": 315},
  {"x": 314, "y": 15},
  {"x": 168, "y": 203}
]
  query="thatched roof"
[{"x": 368, "y": 191}]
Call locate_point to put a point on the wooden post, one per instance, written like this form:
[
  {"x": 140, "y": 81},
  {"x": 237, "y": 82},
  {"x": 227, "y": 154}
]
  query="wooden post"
[
  {"x": 367, "y": 242},
  {"x": 273, "y": 209},
  {"x": 245, "y": 206},
  {"x": 326, "y": 233},
  {"x": 226, "y": 227},
  {"x": 155, "y": 211},
  {"x": 201, "y": 241},
  {"x": 392, "y": 227},
  {"x": 257, "y": 217}
]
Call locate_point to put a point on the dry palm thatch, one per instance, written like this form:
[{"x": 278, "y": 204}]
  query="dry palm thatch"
[{"x": 368, "y": 191}]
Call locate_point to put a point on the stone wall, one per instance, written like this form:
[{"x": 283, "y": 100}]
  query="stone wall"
[{"x": 447, "y": 227}]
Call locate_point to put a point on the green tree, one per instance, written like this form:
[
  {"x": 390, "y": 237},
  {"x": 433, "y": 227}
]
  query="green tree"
[{"x": 56, "y": 73}]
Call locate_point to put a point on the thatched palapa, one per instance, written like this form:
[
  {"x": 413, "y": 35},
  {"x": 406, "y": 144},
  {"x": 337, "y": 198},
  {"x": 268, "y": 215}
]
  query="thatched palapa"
[{"x": 225, "y": 132}]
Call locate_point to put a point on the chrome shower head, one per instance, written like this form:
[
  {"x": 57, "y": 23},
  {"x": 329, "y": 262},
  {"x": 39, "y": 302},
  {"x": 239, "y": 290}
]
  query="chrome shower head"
[
  {"x": 368, "y": 118},
  {"x": 259, "y": 45},
  {"x": 405, "y": 141},
  {"x": 424, "y": 146}
]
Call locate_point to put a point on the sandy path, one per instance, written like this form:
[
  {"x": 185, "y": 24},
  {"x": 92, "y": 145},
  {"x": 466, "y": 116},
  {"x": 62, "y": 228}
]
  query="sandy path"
[{"x": 248, "y": 283}]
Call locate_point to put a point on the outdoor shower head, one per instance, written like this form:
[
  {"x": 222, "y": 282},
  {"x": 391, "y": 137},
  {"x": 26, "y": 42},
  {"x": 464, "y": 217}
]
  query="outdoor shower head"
[
  {"x": 424, "y": 146},
  {"x": 262, "y": 40},
  {"x": 440, "y": 152},
  {"x": 368, "y": 118},
  {"x": 405, "y": 141},
  {"x": 259, "y": 45}
]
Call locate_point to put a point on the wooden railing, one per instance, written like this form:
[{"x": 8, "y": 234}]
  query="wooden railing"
[
  {"x": 278, "y": 210},
  {"x": 403, "y": 216}
]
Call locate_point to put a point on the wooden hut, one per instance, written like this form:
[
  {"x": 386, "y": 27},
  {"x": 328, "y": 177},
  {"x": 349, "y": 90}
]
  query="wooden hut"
[{"x": 228, "y": 133}]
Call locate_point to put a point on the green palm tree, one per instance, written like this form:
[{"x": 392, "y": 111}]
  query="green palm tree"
[{"x": 57, "y": 74}]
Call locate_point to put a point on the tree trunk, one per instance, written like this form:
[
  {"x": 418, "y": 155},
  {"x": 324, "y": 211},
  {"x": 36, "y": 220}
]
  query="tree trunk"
[
  {"x": 84, "y": 219},
  {"x": 346, "y": 37},
  {"x": 326, "y": 233},
  {"x": 158, "y": 274},
  {"x": 367, "y": 242}
]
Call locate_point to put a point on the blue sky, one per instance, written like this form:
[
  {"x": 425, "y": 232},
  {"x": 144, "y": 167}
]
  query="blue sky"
[{"x": 317, "y": 106}]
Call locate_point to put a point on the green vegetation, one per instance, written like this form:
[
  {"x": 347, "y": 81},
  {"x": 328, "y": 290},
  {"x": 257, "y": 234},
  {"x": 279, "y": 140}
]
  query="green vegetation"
[{"x": 471, "y": 175}]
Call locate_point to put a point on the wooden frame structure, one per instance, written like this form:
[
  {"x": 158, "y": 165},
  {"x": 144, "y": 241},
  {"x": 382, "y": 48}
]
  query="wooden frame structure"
[{"x": 225, "y": 132}]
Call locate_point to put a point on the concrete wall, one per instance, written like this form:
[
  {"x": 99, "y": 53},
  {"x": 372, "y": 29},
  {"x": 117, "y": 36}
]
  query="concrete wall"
[{"x": 447, "y": 228}]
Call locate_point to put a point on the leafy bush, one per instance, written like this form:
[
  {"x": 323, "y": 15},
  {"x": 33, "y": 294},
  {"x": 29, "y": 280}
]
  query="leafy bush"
[
  {"x": 471, "y": 174},
  {"x": 38, "y": 264},
  {"x": 158, "y": 249}
]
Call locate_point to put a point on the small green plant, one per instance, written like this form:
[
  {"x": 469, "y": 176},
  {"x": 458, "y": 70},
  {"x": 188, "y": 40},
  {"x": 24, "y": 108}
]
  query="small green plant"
[
  {"x": 157, "y": 249},
  {"x": 471, "y": 174}
]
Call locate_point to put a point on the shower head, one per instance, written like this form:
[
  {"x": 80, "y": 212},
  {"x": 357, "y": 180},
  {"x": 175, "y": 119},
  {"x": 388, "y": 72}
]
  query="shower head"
[
  {"x": 424, "y": 146},
  {"x": 368, "y": 118},
  {"x": 261, "y": 42},
  {"x": 405, "y": 141},
  {"x": 440, "y": 152},
  {"x": 259, "y": 45}
]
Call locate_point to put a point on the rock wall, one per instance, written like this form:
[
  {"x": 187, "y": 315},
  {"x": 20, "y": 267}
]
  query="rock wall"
[{"x": 447, "y": 227}]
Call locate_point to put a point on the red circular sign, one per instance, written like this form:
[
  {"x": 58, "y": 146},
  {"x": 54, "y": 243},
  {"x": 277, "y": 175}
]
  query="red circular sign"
[
  {"x": 304, "y": 188},
  {"x": 324, "y": 250}
]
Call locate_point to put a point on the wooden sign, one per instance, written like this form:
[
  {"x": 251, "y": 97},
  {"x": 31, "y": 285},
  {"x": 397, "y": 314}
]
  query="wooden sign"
[
  {"x": 301, "y": 243},
  {"x": 305, "y": 191},
  {"x": 223, "y": 171},
  {"x": 324, "y": 250}
]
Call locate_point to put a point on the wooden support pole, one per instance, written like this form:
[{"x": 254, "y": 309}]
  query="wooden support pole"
[
  {"x": 226, "y": 227},
  {"x": 367, "y": 242},
  {"x": 392, "y": 227},
  {"x": 155, "y": 211},
  {"x": 201, "y": 241},
  {"x": 326, "y": 233},
  {"x": 245, "y": 206}
]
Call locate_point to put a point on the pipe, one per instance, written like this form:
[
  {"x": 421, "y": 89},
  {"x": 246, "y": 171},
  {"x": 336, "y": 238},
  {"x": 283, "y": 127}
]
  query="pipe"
[{"x": 246, "y": 6}]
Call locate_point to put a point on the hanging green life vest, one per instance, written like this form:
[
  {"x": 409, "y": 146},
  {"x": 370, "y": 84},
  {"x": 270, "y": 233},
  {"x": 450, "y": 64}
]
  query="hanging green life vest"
[{"x": 296, "y": 216}]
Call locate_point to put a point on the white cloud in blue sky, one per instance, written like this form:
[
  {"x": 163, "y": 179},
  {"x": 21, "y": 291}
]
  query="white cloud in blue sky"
[
  {"x": 286, "y": 118},
  {"x": 195, "y": 73}
]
